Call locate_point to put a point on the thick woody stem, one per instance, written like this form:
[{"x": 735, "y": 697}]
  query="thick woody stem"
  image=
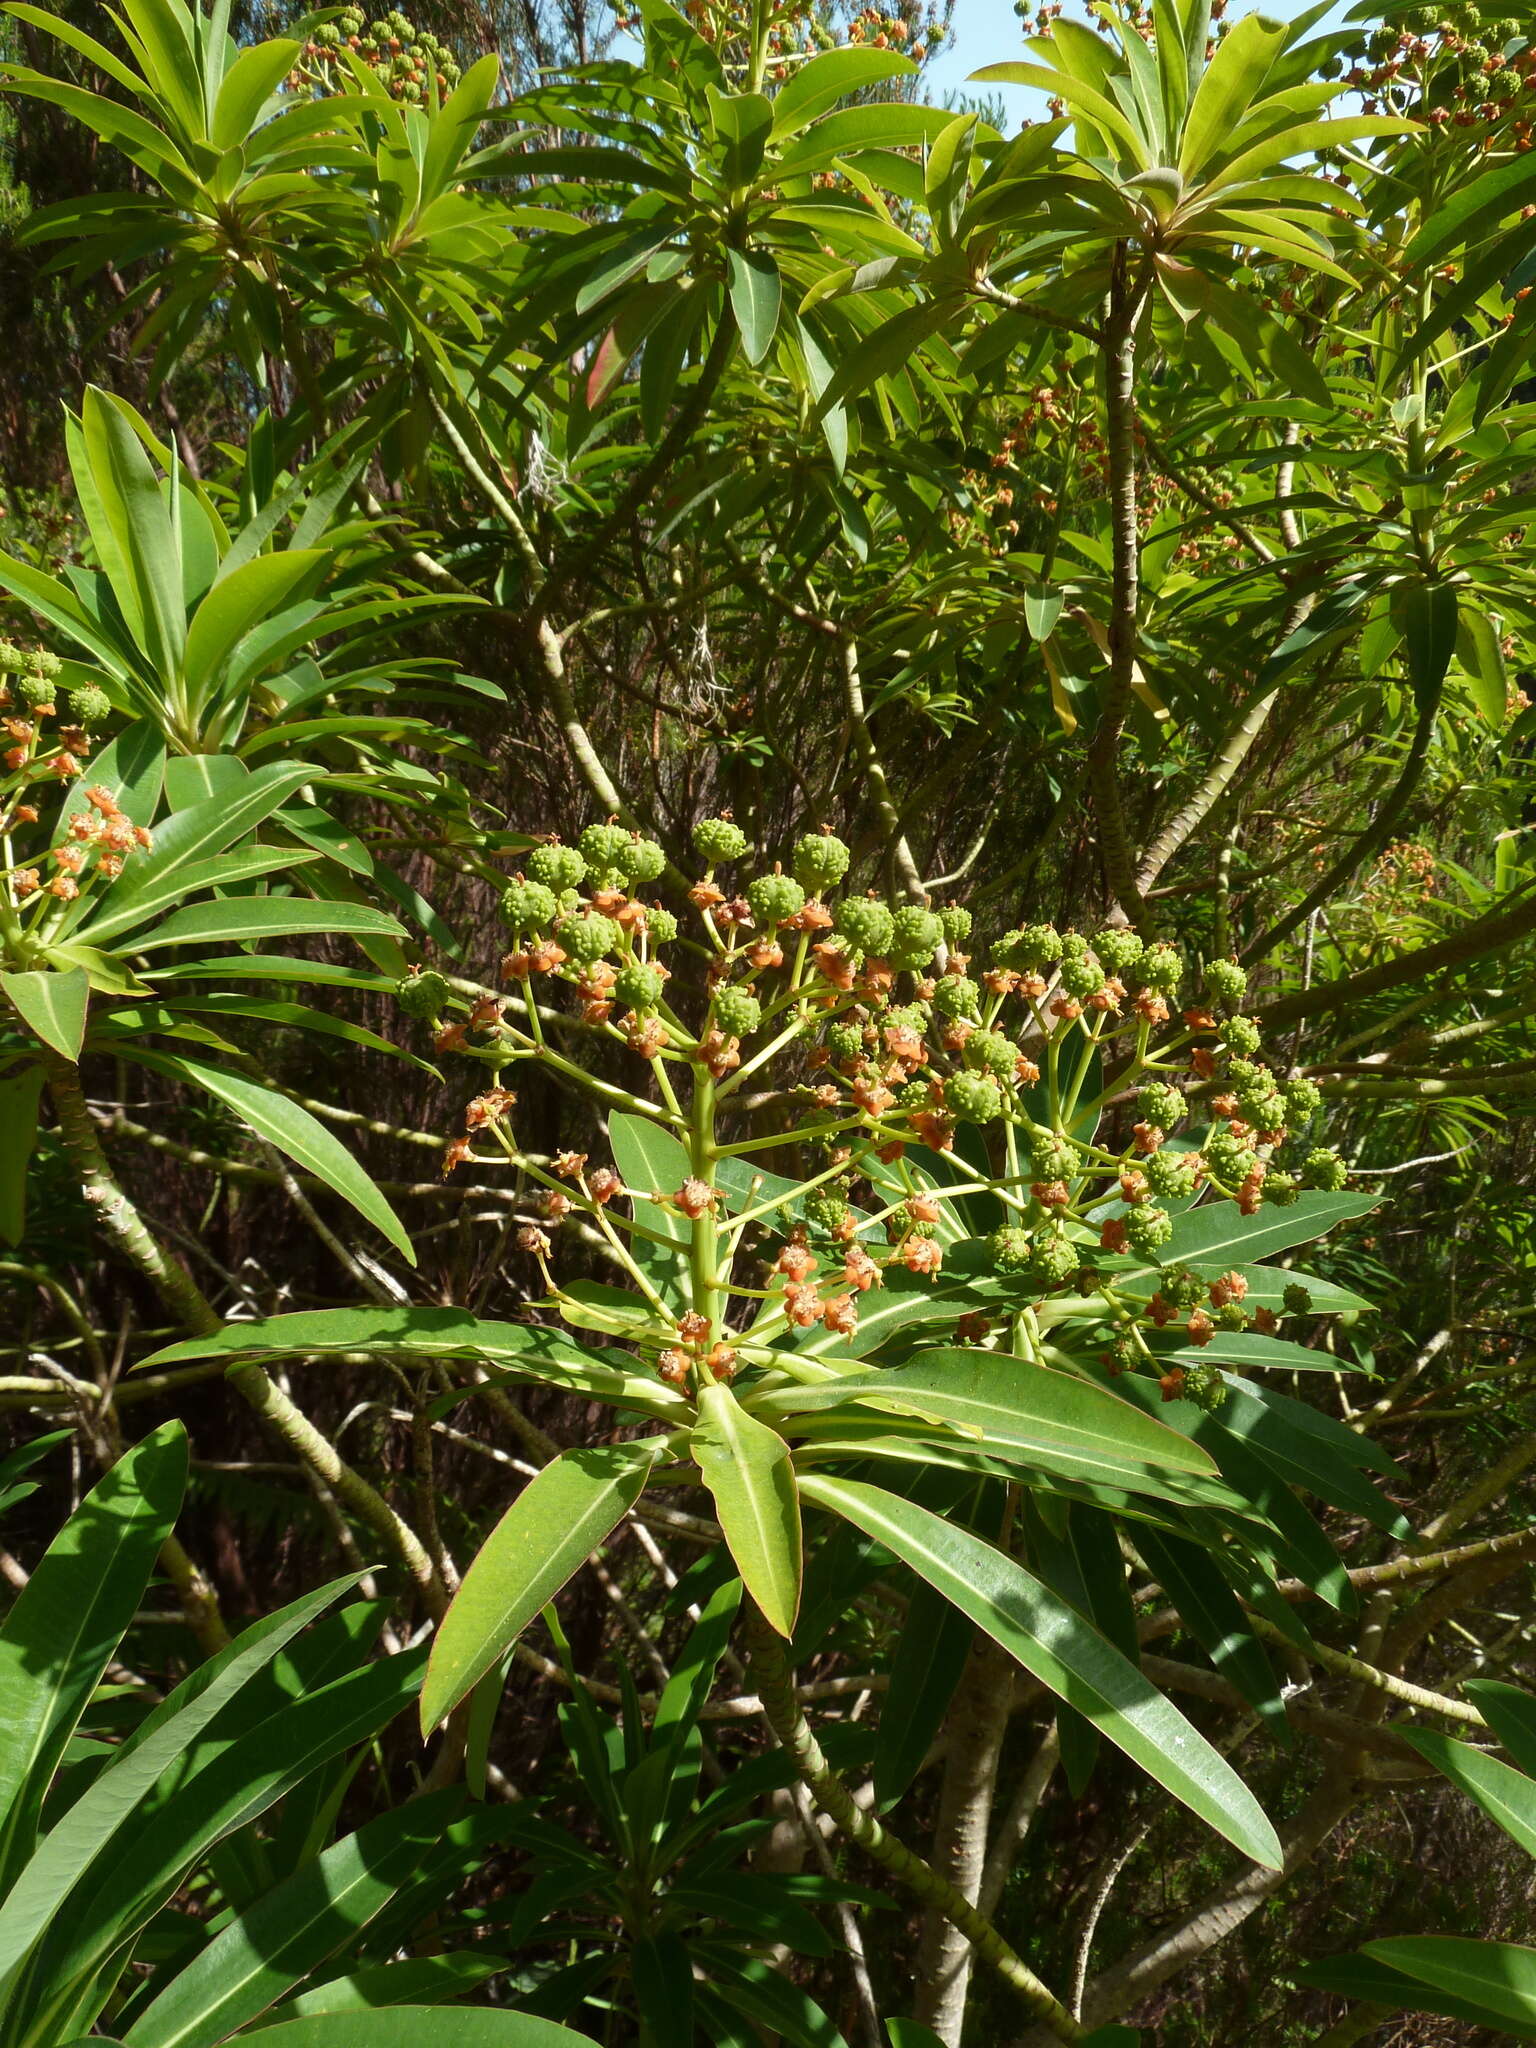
[
  {"x": 781, "y": 1709},
  {"x": 1016, "y": 1823},
  {"x": 1120, "y": 436},
  {"x": 1239, "y": 743},
  {"x": 977, "y": 1724}
]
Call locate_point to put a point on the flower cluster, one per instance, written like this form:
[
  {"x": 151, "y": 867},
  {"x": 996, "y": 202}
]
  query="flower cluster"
[
  {"x": 1063, "y": 1073},
  {"x": 1458, "y": 66},
  {"x": 32, "y": 754},
  {"x": 410, "y": 62}
]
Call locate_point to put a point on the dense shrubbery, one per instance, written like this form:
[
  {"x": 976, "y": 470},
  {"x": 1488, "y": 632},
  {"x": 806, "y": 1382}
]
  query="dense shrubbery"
[{"x": 729, "y": 805}]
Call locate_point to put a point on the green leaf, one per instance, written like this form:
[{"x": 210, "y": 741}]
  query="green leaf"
[
  {"x": 1429, "y": 614},
  {"x": 1363, "y": 1976},
  {"x": 1458, "y": 218},
  {"x": 1232, "y": 81},
  {"x": 1068, "y": 1424},
  {"x": 1512, "y": 1716},
  {"x": 1082, "y": 100},
  {"x": 293, "y": 1928},
  {"x": 652, "y": 1162},
  {"x": 207, "y": 828},
  {"x": 69, "y": 1618},
  {"x": 1481, "y": 655},
  {"x": 946, "y": 177},
  {"x": 249, "y": 919},
  {"x": 193, "y": 778},
  {"x": 302, "y": 1137},
  {"x": 256, "y": 591},
  {"x": 131, "y": 768},
  {"x": 1211, "y": 1612},
  {"x": 419, "y": 1980},
  {"x": 756, "y": 294},
  {"x": 693, "y": 1671},
  {"x": 912, "y": 2034},
  {"x": 1252, "y": 1351},
  {"x": 819, "y": 85},
  {"x": 246, "y": 88},
  {"x": 548, "y": 1533},
  {"x": 773, "y": 2001},
  {"x": 239, "y": 1782},
  {"x": 52, "y": 1006},
  {"x": 663, "y": 1979},
  {"x": 523, "y": 1350},
  {"x": 625, "y": 259},
  {"x": 743, "y": 122},
  {"x": 224, "y": 870},
  {"x": 888, "y": 124},
  {"x": 1042, "y": 609},
  {"x": 81, "y": 1835},
  {"x": 1506, "y": 1795},
  {"x": 19, "y": 1097},
  {"x": 1220, "y": 1231},
  {"x": 1055, "y": 1643},
  {"x": 1495, "y": 1975},
  {"x": 746, "y": 1466},
  {"x": 133, "y": 530}
]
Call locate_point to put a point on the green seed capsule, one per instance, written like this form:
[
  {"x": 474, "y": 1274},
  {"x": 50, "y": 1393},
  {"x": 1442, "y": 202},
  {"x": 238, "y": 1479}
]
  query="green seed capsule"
[
  {"x": 821, "y": 862},
  {"x": 719, "y": 839}
]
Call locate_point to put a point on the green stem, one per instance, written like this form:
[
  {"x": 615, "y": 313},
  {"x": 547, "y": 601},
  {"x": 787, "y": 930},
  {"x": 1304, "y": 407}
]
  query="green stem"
[{"x": 782, "y": 1710}]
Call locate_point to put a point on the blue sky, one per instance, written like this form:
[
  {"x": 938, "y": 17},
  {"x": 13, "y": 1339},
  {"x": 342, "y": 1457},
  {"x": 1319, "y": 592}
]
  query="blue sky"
[
  {"x": 989, "y": 32},
  {"x": 986, "y": 32}
]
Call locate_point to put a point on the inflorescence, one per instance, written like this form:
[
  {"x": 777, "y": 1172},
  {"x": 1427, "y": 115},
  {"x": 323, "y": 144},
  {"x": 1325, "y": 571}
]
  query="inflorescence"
[{"x": 1098, "y": 1098}]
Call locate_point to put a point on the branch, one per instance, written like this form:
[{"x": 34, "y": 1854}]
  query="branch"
[
  {"x": 1370, "y": 841},
  {"x": 782, "y": 1711},
  {"x": 1104, "y": 748},
  {"x": 1487, "y": 935}
]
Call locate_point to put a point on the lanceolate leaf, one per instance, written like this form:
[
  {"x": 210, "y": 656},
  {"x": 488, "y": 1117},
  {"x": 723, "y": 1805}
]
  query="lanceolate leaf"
[
  {"x": 746, "y": 1466},
  {"x": 527, "y": 1350},
  {"x": 1220, "y": 1231},
  {"x": 925, "y": 1670},
  {"x": 248, "y": 919},
  {"x": 1072, "y": 1425},
  {"x": 1506, "y": 1795},
  {"x": 548, "y": 1533},
  {"x": 292, "y": 1928},
  {"x": 1210, "y": 1610},
  {"x": 295, "y": 1132},
  {"x": 1497, "y": 1976},
  {"x": 406, "y": 2026},
  {"x": 755, "y": 297},
  {"x": 52, "y": 1006},
  {"x": 653, "y": 1162},
  {"x": 1512, "y": 1716},
  {"x": 238, "y": 1783},
  {"x": 1429, "y": 634},
  {"x": 167, "y": 1735},
  {"x": 67, "y": 1621},
  {"x": 1063, "y": 1651}
]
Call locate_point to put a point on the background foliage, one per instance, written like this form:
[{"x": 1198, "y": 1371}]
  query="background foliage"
[{"x": 755, "y": 1369}]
